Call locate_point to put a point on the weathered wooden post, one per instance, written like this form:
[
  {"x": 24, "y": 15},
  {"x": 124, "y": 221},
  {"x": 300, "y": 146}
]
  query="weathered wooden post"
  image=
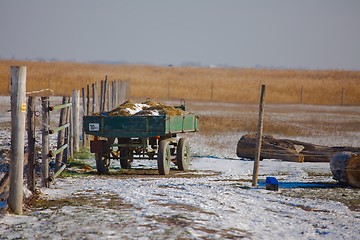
[
  {"x": 123, "y": 92},
  {"x": 104, "y": 94},
  {"x": 120, "y": 92},
  {"x": 88, "y": 100},
  {"x": 83, "y": 96},
  {"x": 18, "y": 113},
  {"x": 113, "y": 95},
  {"x": 75, "y": 118},
  {"x": 102, "y": 98},
  {"x": 45, "y": 140},
  {"x": 84, "y": 112},
  {"x": 31, "y": 143},
  {"x": 95, "y": 97},
  {"x": 259, "y": 138},
  {"x": 116, "y": 93},
  {"x": 69, "y": 150},
  {"x": 108, "y": 96}
]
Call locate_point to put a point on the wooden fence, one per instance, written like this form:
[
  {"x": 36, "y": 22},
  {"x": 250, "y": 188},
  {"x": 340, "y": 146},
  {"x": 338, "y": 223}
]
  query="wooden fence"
[{"x": 68, "y": 131}]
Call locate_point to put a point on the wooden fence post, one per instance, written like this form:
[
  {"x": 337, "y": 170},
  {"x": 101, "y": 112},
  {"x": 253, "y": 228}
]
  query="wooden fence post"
[
  {"x": 83, "y": 96},
  {"x": 69, "y": 150},
  {"x": 108, "y": 96},
  {"x": 259, "y": 138},
  {"x": 18, "y": 113},
  {"x": 101, "y": 96},
  {"x": 104, "y": 94},
  {"x": 45, "y": 141},
  {"x": 31, "y": 143},
  {"x": 95, "y": 97},
  {"x": 123, "y": 92},
  {"x": 61, "y": 135},
  {"x": 113, "y": 95},
  {"x": 88, "y": 100},
  {"x": 119, "y": 89},
  {"x": 84, "y": 113},
  {"x": 75, "y": 118}
]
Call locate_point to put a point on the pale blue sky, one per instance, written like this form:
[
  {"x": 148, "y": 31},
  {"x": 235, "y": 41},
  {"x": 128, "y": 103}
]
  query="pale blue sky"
[{"x": 314, "y": 34}]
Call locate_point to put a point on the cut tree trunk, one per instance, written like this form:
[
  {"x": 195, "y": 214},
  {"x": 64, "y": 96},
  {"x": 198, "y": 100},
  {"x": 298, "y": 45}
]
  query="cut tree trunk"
[
  {"x": 287, "y": 150},
  {"x": 345, "y": 167}
]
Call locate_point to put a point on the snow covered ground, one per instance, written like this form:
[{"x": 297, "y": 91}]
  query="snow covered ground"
[
  {"x": 219, "y": 203},
  {"x": 215, "y": 200}
]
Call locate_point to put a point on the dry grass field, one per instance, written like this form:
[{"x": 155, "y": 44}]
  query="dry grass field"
[{"x": 332, "y": 87}]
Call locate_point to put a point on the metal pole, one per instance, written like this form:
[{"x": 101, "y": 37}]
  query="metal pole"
[
  {"x": 18, "y": 113},
  {"x": 259, "y": 138}
]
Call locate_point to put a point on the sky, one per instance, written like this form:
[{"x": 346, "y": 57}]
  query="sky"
[{"x": 309, "y": 34}]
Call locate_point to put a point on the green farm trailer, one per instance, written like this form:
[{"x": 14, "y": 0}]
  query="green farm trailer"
[{"x": 126, "y": 138}]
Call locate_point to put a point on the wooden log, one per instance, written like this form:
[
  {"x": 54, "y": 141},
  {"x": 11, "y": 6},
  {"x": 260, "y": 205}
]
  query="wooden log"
[
  {"x": 271, "y": 149},
  {"x": 288, "y": 150},
  {"x": 345, "y": 167}
]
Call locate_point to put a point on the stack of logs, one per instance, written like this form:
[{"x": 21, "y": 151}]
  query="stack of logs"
[{"x": 344, "y": 161}]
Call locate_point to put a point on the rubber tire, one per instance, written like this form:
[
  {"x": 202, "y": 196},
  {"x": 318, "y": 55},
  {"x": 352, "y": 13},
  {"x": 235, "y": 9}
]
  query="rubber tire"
[
  {"x": 125, "y": 163},
  {"x": 102, "y": 163},
  {"x": 164, "y": 158},
  {"x": 183, "y": 154}
]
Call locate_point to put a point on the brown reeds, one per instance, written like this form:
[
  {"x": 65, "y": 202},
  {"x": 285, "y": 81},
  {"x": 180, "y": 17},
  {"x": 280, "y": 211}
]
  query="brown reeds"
[{"x": 332, "y": 87}]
